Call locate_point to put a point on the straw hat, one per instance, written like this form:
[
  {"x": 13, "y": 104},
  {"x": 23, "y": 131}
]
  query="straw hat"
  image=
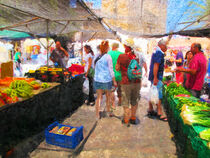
[
  {"x": 138, "y": 48},
  {"x": 129, "y": 42}
]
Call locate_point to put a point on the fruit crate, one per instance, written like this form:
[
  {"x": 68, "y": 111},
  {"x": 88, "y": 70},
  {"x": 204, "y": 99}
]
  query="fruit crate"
[{"x": 64, "y": 140}]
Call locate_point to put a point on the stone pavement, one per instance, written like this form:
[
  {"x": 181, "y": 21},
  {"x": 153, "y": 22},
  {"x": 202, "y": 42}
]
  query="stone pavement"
[{"x": 109, "y": 138}]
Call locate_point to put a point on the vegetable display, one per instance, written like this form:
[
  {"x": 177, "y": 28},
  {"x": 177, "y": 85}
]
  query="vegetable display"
[
  {"x": 190, "y": 102},
  {"x": 19, "y": 88},
  {"x": 35, "y": 85},
  {"x": 6, "y": 99},
  {"x": 193, "y": 111},
  {"x": 205, "y": 134},
  {"x": 196, "y": 115},
  {"x": 45, "y": 85},
  {"x": 175, "y": 89}
]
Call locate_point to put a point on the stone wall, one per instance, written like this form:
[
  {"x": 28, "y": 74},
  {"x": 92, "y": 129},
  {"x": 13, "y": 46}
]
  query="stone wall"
[{"x": 140, "y": 16}]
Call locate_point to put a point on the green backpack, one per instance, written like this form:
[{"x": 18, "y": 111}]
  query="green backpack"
[{"x": 134, "y": 70}]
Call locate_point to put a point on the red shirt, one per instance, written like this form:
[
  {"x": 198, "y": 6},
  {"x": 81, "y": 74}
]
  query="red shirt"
[
  {"x": 198, "y": 63},
  {"x": 124, "y": 61}
]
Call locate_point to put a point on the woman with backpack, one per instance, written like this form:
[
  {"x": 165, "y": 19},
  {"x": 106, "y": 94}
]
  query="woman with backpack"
[
  {"x": 103, "y": 78},
  {"x": 130, "y": 87}
]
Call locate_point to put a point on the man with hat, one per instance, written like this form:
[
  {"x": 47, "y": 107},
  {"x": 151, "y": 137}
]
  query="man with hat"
[{"x": 129, "y": 89}]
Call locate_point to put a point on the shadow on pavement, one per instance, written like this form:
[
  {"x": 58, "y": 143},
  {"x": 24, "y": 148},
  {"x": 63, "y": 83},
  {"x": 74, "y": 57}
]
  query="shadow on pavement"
[{"x": 81, "y": 146}]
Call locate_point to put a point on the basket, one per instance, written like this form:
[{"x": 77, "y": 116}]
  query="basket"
[{"x": 64, "y": 140}]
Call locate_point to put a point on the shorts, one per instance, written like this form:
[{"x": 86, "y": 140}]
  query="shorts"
[
  {"x": 104, "y": 86},
  {"x": 160, "y": 89},
  {"x": 130, "y": 94}
]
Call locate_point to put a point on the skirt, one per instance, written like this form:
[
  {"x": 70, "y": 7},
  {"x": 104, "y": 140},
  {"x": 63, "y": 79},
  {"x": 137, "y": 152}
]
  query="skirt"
[{"x": 104, "y": 86}]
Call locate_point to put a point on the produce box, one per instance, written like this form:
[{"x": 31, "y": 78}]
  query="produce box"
[{"x": 63, "y": 135}]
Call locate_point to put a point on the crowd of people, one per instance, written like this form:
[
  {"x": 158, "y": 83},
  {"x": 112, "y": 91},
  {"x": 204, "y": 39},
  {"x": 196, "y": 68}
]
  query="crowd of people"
[
  {"x": 107, "y": 72},
  {"x": 110, "y": 74}
]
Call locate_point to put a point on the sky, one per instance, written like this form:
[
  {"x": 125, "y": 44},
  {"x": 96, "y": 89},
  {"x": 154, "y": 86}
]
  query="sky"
[
  {"x": 177, "y": 12},
  {"x": 96, "y": 3}
]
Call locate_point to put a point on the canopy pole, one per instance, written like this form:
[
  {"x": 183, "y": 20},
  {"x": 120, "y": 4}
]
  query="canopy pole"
[
  {"x": 198, "y": 20},
  {"x": 35, "y": 36},
  {"x": 47, "y": 22},
  {"x": 81, "y": 49},
  {"x": 60, "y": 32}
]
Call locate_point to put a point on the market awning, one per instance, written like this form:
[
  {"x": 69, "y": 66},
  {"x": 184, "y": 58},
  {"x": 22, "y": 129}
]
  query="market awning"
[
  {"x": 65, "y": 17},
  {"x": 205, "y": 32},
  {"x": 56, "y": 17},
  {"x": 11, "y": 35}
]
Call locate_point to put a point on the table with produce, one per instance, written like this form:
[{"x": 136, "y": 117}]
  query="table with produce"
[
  {"x": 188, "y": 118},
  {"x": 14, "y": 89},
  {"x": 28, "y": 106}
]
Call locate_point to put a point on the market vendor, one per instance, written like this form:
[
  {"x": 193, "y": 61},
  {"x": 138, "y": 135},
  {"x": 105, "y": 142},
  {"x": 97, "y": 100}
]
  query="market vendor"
[
  {"x": 59, "y": 55},
  {"x": 197, "y": 70},
  {"x": 179, "y": 60}
]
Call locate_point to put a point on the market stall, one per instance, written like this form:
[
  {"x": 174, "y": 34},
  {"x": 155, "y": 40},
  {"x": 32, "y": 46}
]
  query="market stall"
[
  {"x": 29, "y": 115},
  {"x": 189, "y": 121}
]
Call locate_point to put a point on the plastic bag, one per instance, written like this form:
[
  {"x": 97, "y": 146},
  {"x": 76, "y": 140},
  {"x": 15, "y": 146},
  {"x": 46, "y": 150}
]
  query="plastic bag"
[
  {"x": 145, "y": 82},
  {"x": 154, "y": 95},
  {"x": 86, "y": 86}
]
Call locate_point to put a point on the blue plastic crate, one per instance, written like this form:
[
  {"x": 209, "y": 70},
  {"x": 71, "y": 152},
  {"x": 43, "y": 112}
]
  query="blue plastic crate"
[{"x": 64, "y": 140}]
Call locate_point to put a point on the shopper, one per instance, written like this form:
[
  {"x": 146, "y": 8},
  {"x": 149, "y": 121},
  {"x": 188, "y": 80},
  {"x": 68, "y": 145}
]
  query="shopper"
[
  {"x": 156, "y": 76},
  {"x": 130, "y": 89},
  {"x": 188, "y": 58},
  {"x": 58, "y": 55},
  {"x": 179, "y": 60},
  {"x": 197, "y": 70},
  {"x": 114, "y": 53},
  {"x": 104, "y": 77},
  {"x": 89, "y": 73},
  {"x": 18, "y": 58}
]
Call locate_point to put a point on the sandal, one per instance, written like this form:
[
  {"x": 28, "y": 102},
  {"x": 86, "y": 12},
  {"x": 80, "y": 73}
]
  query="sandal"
[
  {"x": 162, "y": 118},
  {"x": 92, "y": 103},
  {"x": 151, "y": 113}
]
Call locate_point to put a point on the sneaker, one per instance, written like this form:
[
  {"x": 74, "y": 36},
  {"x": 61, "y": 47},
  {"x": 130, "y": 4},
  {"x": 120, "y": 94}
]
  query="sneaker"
[
  {"x": 134, "y": 122},
  {"x": 110, "y": 114},
  {"x": 126, "y": 124}
]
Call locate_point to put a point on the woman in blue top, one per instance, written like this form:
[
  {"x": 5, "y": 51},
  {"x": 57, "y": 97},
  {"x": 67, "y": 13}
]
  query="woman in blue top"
[{"x": 104, "y": 77}]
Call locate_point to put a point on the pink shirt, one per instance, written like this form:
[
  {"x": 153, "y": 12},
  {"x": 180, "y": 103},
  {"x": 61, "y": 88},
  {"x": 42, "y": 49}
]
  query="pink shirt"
[{"x": 198, "y": 63}]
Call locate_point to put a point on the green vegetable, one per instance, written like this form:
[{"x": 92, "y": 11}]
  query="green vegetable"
[
  {"x": 19, "y": 88},
  {"x": 190, "y": 102},
  {"x": 196, "y": 115},
  {"x": 34, "y": 82},
  {"x": 175, "y": 89},
  {"x": 205, "y": 134},
  {"x": 45, "y": 85}
]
